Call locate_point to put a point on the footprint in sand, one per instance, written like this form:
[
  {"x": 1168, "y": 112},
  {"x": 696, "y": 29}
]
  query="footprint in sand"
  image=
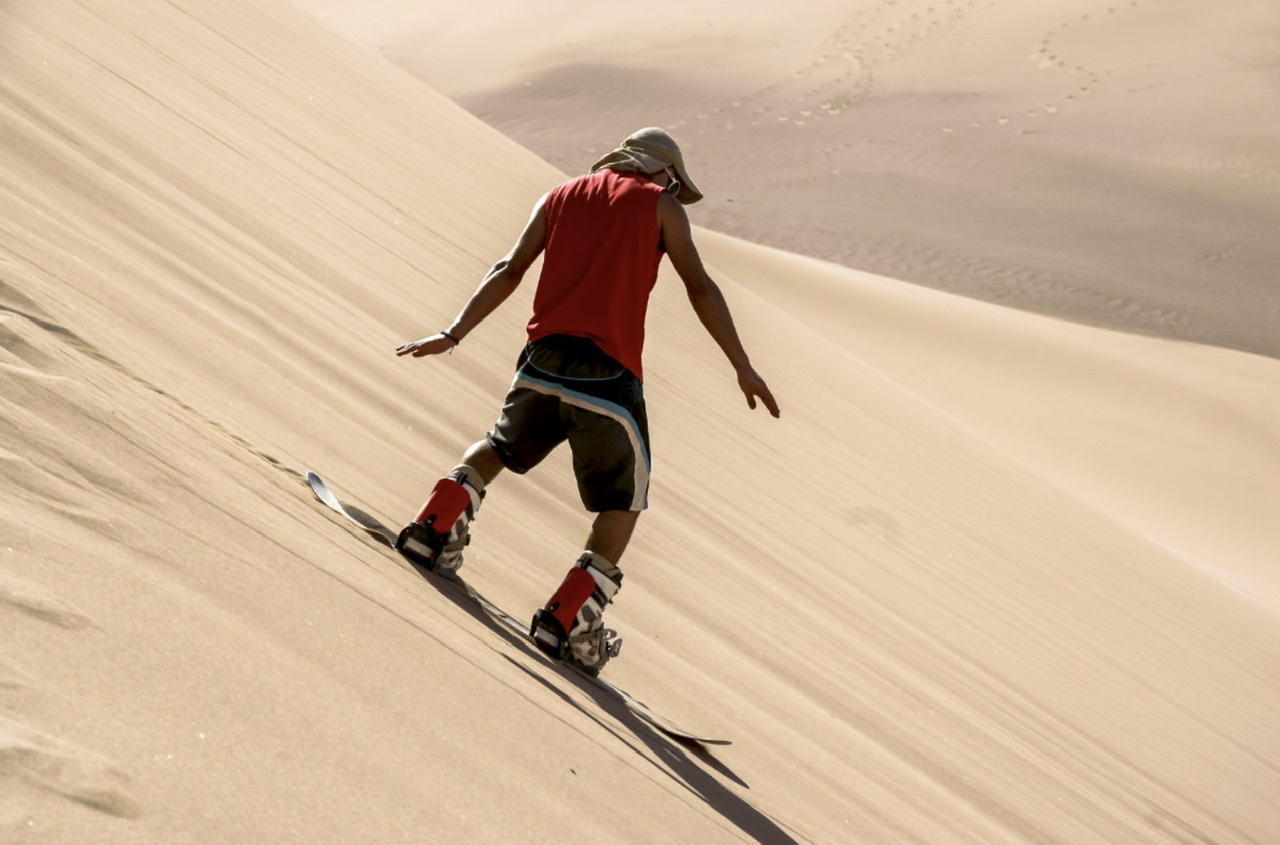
[
  {"x": 40, "y": 603},
  {"x": 31, "y": 758},
  {"x": 48, "y": 763}
]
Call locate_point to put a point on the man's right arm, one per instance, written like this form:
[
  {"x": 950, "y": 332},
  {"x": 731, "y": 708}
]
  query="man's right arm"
[{"x": 498, "y": 284}]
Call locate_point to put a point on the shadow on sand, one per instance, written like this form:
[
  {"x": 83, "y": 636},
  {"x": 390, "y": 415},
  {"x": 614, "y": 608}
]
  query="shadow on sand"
[{"x": 688, "y": 763}]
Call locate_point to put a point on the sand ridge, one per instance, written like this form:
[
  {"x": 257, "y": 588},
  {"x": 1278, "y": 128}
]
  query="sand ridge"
[{"x": 972, "y": 146}]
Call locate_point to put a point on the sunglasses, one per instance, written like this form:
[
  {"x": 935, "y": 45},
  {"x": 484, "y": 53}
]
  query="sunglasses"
[{"x": 673, "y": 184}]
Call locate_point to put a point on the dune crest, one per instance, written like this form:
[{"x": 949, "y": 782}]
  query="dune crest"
[{"x": 1110, "y": 163}]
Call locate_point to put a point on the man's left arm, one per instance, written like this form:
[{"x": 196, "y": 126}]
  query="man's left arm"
[{"x": 708, "y": 301}]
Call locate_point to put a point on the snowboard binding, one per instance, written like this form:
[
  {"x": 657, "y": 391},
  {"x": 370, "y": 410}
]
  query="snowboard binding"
[
  {"x": 438, "y": 534},
  {"x": 421, "y": 543},
  {"x": 571, "y": 626}
]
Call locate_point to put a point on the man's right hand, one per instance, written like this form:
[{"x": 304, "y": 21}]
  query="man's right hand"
[{"x": 433, "y": 345}]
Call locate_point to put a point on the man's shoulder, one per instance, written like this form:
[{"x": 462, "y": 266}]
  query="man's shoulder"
[
  {"x": 606, "y": 186},
  {"x": 585, "y": 179},
  {"x": 670, "y": 209},
  {"x": 576, "y": 186}
]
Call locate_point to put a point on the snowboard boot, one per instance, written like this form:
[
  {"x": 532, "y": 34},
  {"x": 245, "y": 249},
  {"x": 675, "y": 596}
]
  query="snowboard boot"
[
  {"x": 438, "y": 534},
  {"x": 571, "y": 626}
]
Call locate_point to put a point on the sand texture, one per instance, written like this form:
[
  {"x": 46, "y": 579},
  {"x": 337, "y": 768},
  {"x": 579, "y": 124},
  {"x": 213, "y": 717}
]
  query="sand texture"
[
  {"x": 992, "y": 577},
  {"x": 1114, "y": 162}
]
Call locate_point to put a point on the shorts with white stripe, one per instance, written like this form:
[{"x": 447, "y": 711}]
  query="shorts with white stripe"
[{"x": 567, "y": 389}]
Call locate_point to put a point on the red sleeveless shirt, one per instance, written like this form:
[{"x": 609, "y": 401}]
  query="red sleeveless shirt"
[{"x": 601, "y": 263}]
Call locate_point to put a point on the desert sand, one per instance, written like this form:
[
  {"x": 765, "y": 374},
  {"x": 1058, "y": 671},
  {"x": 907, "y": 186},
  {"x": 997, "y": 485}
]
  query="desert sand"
[
  {"x": 1112, "y": 162},
  {"x": 994, "y": 575}
]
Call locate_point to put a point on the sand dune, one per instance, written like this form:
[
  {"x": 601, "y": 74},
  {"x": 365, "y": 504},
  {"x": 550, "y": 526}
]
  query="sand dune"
[
  {"x": 1113, "y": 163},
  {"x": 915, "y": 620},
  {"x": 1180, "y": 439}
]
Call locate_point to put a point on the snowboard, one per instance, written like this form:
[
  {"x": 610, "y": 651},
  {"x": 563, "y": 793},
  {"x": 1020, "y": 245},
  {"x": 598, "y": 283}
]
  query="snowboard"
[{"x": 387, "y": 537}]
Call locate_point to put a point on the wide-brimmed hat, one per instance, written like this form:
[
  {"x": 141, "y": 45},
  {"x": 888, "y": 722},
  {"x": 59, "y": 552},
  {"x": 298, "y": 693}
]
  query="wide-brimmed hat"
[{"x": 648, "y": 151}]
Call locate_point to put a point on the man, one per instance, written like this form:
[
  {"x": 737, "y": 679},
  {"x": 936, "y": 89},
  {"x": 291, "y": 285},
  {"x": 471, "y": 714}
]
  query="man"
[{"x": 579, "y": 377}]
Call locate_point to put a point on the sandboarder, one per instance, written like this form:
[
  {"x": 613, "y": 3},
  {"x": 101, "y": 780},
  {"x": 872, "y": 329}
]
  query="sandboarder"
[{"x": 579, "y": 378}]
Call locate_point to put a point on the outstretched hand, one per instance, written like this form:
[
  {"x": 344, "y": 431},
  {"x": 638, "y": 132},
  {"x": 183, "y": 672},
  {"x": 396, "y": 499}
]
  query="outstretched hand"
[
  {"x": 433, "y": 345},
  {"x": 753, "y": 387}
]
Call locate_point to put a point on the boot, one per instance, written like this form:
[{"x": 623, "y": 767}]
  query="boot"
[
  {"x": 571, "y": 626},
  {"x": 438, "y": 534}
]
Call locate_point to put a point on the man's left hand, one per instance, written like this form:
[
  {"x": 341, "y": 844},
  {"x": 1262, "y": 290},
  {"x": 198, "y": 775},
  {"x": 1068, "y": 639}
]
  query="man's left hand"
[{"x": 753, "y": 387}]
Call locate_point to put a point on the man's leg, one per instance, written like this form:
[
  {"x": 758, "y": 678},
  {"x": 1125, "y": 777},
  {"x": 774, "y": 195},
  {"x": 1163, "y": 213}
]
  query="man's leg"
[
  {"x": 610, "y": 534},
  {"x": 571, "y": 623},
  {"x": 484, "y": 459}
]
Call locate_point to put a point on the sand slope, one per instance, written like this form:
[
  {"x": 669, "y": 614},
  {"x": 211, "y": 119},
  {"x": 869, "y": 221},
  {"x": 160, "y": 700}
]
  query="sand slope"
[
  {"x": 1180, "y": 439},
  {"x": 1113, "y": 163},
  {"x": 221, "y": 219}
]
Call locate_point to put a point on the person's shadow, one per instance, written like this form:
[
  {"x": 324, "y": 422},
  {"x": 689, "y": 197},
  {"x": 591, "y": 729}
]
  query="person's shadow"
[{"x": 687, "y": 762}]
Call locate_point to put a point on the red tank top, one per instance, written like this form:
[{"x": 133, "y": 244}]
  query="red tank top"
[{"x": 601, "y": 263}]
